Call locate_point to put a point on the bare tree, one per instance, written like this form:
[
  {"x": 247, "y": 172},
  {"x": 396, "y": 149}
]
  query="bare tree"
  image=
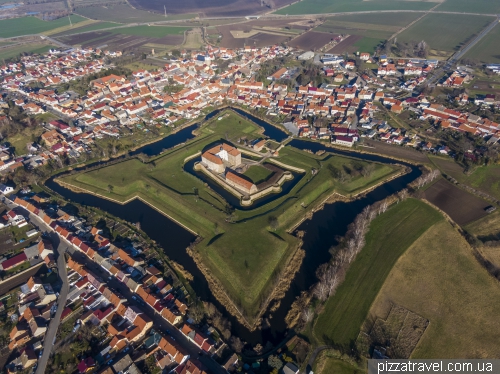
[
  {"x": 236, "y": 344},
  {"x": 383, "y": 207},
  {"x": 307, "y": 314},
  {"x": 403, "y": 194}
]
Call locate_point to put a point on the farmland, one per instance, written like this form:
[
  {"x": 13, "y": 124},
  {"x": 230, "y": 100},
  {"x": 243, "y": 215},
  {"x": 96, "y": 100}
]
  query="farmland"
[
  {"x": 17, "y": 50},
  {"x": 246, "y": 271},
  {"x": 487, "y": 50},
  {"x": 460, "y": 205},
  {"x": 31, "y": 25},
  {"x": 328, "y": 6},
  {"x": 390, "y": 235},
  {"x": 476, "y": 6},
  {"x": 439, "y": 278},
  {"x": 366, "y": 30},
  {"x": 486, "y": 228},
  {"x": 445, "y": 32},
  {"x": 210, "y": 8},
  {"x": 483, "y": 178},
  {"x": 92, "y": 27},
  {"x": 124, "y": 13},
  {"x": 258, "y": 32},
  {"x": 130, "y": 37},
  {"x": 311, "y": 40}
]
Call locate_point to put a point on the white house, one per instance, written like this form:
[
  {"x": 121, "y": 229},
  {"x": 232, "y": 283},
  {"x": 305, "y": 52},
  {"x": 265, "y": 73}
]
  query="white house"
[{"x": 6, "y": 189}]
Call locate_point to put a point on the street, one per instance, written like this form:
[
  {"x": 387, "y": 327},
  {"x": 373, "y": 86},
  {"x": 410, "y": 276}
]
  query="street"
[
  {"x": 60, "y": 248},
  {"x": 159, "y": 323}
]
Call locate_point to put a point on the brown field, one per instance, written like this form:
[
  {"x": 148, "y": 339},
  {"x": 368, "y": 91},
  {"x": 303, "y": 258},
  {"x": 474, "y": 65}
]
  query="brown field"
[
  {"x": 439, "y": 279},
  {"x": 395, "y": 151},
  {"x": 460, "y": 205},
  {"x": 118, "y": 41},
  {"x": 259, "y": 39},
  {"x": 259, "y": 32},
  {"x": 311, "y": 40},
  {"x": 209, "y": 8},
  {"x": 346, "y": 45}
]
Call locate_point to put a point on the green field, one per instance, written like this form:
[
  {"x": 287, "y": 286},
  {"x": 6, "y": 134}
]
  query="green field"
[
  {"x": 475, "y": 6},
  {"x": 487, "y": 49},
  {"x": 445, "y": 32},
  {"x": 126, "y": 14},
  {"x": 32, "y": 25},
  {"x": 258, "y": 174},
  {"x": 150, "y": 31},
  {"x": 17, "y": 50},
  {"x": 19, "y": 141},
  {"x": 367, "y": 44},
  {"x": 247, "y": 270},
  {"x": 334, "y": 6},
  {"x": 329, "y": 362},
  {"x": 93, "y": 27},
  {"x": 389, "y": 237},
  {"x": 440, "y": 279}
]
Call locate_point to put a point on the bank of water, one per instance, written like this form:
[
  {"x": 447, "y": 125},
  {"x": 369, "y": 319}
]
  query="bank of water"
[{"x": 320, "y": 231}]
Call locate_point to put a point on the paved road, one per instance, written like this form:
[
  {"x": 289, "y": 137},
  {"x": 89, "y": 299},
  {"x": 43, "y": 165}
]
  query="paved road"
[
  {"x": 159, "y": 323},
  {"x": 60, "y": 247},
  {"x": 50, "y": 335}
]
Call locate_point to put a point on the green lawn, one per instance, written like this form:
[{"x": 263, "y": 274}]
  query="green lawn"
[
  {"x": 334, "y": 6},
  {"x": 32, "y": 25},
  {"x": 367, "y": 44},
  {"x": 244, "y": 256},
  {"x": 475, "y": 6},
  {"x": 150, "y": 31},
  {"x": 126, "y": 14},
  {"x": 19, "y": 141},
  {"x": 258, "y": 174},
  {"x": 445, "y": 32},
  {"x": 389, "y": 236},
  {"x": 488, "y": 48},
  {"x": 17, "y": 50}
]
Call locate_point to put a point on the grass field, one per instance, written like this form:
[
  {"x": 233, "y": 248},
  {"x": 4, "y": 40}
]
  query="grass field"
[
  {"x": 476, "y": 6},
  {"x": 93, "y": 27},
  {"x": 445, "y": 32},
  {"x": 389, "y": 237},
  {"x": 486, "y": 228},
  {"x": 329, "y": 361},
  {"x": 20, "y": 140},
  {"x": 150, "y": 31},
  {"x": 245, "y": 270},
  {"x": 329, "y": 6},
  {"x": 258, "y": 174},
  {"x": 483, "y": 178},
  {"x": 126, "y": 14},
  {"x": 16, "y": 50},
  {"x": 439, "y": 279},
  {"x": 488, "y": 48},
  {"x": 31, "y": 25}
]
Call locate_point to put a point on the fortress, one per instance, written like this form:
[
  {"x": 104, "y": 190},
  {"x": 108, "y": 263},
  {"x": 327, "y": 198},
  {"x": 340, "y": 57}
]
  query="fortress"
[{"x": 221, "y": 156}]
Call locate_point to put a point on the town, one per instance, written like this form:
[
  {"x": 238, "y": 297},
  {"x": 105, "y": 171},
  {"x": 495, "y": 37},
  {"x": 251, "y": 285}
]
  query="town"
[{"x": 135, "y": 311}]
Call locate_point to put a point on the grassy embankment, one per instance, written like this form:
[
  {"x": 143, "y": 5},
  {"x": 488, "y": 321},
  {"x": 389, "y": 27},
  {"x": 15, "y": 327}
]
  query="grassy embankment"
[
  {"x": 244, "y": 256},
  {"x": 389, "y": 237},
  {"x": 258, "y": 174}
]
